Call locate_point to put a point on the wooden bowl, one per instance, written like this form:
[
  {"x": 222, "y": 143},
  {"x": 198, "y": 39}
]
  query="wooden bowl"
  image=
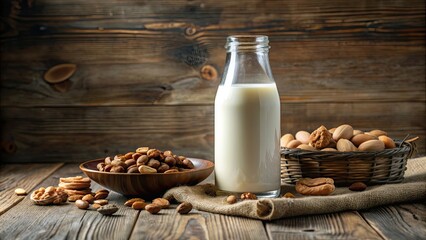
[{"x": 147, "y": 185}]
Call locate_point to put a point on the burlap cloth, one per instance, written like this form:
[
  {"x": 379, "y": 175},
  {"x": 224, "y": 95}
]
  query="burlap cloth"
[{"x": 413, "y": 188}]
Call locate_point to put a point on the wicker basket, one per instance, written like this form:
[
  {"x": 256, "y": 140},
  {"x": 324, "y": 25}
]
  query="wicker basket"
[{"x": 387, "y": 166}]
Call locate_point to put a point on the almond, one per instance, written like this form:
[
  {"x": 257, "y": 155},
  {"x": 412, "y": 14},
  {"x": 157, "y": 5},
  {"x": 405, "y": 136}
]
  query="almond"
[
  {"x": 375, "y": 137},
  {"x": 304, "y": 146},
  {"x": 372, "y": 146},
  {"x": 344, "y": 145},
  {"x": 329, "y": 149},
  {"x": 344, "y": 131},
  {"x": 303, "y": 136},
  {"x": 356, "y": 132},
  {"x": 360, "y": 138},
  {"x": 147, "y": 169},
  {"x": 378, "y": 132},
  {"x": 293, "y": 144},
  {"x": 389, "y": 143},
  {"x": 286, "y": 139},
  {"x": 331, "y": 130}
]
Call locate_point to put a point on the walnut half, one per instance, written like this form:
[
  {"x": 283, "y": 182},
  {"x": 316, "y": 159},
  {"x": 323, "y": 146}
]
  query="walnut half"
[{"x": 320, "y": 138}]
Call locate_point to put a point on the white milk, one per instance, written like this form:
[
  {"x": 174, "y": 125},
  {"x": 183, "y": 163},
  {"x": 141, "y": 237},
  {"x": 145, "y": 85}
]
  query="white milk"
[{"x": 247, "y": 131}]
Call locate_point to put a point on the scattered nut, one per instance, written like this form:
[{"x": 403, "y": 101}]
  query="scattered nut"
[
  {"x": 75, "y": 197},
  {"x": 101, "y": 202},
  {"x": 231, "y": 199},
  {"x": 20, "y": 191},
  {"x": 315, "y": 186},
  {"x": 162, "y": 202},
  {"x": 288, "y": 195},
  {"x": 108, "y": 209},
  {"x": 101, "y": 194},
  {"x": 130, "y": 202},
  {"x": 81, "y": 204},
  {"x": 184, "y": 208},
  {"x": 357, "y": 186},
  {"x": 89, "y": 198},
  {"x": 139, "y": 205},
  {"x": 96, "y": 206},
  {"x": 248, "y": 196},
  {"x": 152, "y": 208}
]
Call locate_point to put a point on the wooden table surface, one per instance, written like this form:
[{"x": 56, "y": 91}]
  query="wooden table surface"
[{"x": 20, "y": 219}]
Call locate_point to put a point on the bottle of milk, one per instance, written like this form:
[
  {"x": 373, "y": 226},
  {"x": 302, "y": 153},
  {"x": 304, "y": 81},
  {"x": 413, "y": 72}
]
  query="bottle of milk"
[{"x": 247, "y": 120}]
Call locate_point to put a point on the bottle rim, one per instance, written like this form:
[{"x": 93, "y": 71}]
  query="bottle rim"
[{"x": 247, "y": 42}]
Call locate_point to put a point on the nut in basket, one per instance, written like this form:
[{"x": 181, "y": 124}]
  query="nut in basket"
[{"x": 346, "y": 155}]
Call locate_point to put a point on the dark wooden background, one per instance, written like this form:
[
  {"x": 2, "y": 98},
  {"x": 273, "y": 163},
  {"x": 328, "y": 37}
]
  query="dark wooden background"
[{"x": 147, "y": 71}]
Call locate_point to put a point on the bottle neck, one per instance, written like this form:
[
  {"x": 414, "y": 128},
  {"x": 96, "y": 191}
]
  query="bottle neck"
[
  {"x": 247, "y": 43},
  {"x": 247, "y": 61}
]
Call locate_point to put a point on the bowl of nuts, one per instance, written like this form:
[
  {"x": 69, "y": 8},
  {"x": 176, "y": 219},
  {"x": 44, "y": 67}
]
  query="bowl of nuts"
[{"x": 147, "y": 173}]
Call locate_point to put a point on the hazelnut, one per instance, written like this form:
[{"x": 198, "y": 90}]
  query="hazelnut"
[
  {"x": 81, "y": 204},
  {"x": 357, "y": 186},
  {"x": 231, "y": 199},
  {"x": 184, "y": 208}
]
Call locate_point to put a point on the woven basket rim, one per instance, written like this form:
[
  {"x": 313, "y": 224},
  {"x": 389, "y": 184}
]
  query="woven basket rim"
[{"x": 402, "y": 147}]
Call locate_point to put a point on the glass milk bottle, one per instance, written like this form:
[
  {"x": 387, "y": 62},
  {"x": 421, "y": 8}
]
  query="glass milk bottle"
[{"x": 247, "y": 120}]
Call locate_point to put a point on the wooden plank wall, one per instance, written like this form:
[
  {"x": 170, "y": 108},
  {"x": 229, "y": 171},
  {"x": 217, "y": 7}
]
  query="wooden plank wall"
[{"x": 147, "y": 71}]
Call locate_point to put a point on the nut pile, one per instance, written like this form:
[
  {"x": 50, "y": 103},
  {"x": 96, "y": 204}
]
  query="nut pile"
[
  {"x": 343, "y": 138},
  {"x": 76, "y": 187},
  {"x": 49, "y": 195},
  {"x": 231, "y": 199},
  {"x": 156, "y": 205},
  {"x": 146, "y": 160}
]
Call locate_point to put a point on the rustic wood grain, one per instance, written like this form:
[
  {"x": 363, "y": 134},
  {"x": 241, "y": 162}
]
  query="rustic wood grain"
[
  {"x": 28, "y": 221},
  {"x": 345, "y": 225},
  {"x": 25, "y": 176},
  {"x": 168, "y": 224},
  {"x": 404, "y": 221},
  {"x": 78, "y": 134},
  {"x": 357, "y": 62}
]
